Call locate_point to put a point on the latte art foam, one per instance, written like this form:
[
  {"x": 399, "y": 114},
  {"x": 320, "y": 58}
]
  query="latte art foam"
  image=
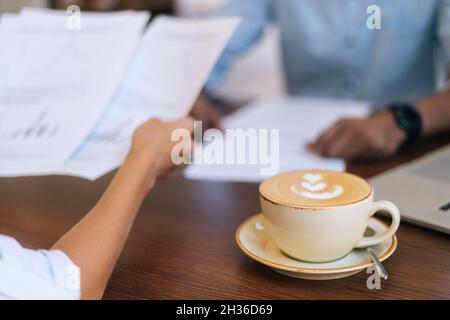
[{"x": 315, "y": 188}]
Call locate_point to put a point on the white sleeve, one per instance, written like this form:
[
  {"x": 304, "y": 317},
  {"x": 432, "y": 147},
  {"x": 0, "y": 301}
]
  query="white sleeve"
[{"x": 30, "y": 274}]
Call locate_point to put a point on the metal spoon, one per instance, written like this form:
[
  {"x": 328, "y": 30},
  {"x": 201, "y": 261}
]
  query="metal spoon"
[{"x": 381, "y": 270}]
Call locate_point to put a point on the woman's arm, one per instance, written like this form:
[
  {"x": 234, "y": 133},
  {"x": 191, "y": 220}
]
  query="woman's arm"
[{"x": 95, "y": 243}]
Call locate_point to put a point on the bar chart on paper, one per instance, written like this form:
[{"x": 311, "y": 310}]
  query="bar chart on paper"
[{"x": 39, "y": 128}]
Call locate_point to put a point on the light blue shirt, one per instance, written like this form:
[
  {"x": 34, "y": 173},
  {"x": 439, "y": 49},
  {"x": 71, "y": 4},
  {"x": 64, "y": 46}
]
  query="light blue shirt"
[
  {"x": 29, "y": 274},
  {"x": 329, "y": 51}
]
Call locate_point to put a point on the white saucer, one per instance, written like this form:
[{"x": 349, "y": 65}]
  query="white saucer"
[{"x": 253, "y": 239}]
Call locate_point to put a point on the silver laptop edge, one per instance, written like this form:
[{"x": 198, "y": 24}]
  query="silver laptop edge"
[{"x": 421, "y": 190}]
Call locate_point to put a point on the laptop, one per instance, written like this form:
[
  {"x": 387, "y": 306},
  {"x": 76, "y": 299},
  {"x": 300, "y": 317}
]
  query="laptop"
[{"x": 421, "y": 190}]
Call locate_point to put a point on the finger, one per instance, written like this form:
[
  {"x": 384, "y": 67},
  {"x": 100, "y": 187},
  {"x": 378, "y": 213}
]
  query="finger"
[
  {"x": 356, "y": 148},
  {"x": 340, "y": 147},
  {"x": 329, "y": 132},
  {"x": 334, "y": 137},
  {"x": 324, "y": 139},
  {"x": 312, "y": 147}
]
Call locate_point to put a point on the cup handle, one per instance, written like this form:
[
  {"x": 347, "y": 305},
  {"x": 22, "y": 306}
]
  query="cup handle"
[{"x": 380, "y": 238}]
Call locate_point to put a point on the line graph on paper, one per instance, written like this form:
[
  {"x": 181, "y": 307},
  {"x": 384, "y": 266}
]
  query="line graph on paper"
[
  {"x": 67, "y": 53},
  {"x": 45, "y": 59}
]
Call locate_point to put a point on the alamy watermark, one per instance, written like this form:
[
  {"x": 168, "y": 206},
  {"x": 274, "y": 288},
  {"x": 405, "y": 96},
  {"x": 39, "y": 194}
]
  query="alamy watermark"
[
  {"x": 374, "y": 280},
  {"x": 374, "y": 20},
  {"x": 233, "y": 146},
  {"x": 73, "y": 21}
]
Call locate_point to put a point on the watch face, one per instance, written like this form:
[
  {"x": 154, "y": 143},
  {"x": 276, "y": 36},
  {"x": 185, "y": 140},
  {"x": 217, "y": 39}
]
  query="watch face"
[{"x": 410, "y": 120}]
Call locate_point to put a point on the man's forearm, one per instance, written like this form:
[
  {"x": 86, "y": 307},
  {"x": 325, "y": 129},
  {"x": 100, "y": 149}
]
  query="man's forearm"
[
  {"x": 95, "y": 243},
  {"x": 435, "y": 113}
]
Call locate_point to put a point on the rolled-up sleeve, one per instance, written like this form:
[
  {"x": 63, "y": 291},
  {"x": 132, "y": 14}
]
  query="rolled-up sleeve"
[
  {"x": 443, "y": 29},
  {"x": 255, "y": 14},
  {"x": 36, "y": 274}
]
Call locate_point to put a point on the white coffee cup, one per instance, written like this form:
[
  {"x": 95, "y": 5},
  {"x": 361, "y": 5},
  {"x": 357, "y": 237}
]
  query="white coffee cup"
[{"x": 319, "y": 228}]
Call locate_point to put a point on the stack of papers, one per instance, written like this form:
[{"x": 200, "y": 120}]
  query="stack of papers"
[
  {"x": 56, "y": 83},
  {"x": 70, "y": 99},
  {"x": 299, "y": 121},
  {"x": 171, "y": 66}
]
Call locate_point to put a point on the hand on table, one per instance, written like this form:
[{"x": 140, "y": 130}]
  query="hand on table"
[{"x": 375, "y": 137}]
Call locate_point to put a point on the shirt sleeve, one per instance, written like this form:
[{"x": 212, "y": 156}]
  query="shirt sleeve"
[
  {"x": 30, "y": 274},
  {"x": 255, "y": 15},
  {"x": 443, "y": 29}
]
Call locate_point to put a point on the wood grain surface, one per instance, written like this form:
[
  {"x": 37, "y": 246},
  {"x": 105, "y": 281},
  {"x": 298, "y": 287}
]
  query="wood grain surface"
[{"x": 182, "y": 245}]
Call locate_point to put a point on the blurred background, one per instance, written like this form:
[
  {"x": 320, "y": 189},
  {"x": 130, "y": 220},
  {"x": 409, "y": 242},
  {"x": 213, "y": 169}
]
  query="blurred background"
[{"x": 257, "y": 74}]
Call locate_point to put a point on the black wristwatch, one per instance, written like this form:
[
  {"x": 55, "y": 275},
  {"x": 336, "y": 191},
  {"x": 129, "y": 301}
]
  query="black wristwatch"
[{"x": 409, "y": 119}]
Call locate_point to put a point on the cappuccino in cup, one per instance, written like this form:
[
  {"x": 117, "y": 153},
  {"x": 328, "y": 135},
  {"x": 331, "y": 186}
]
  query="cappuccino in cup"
[{"x": 319, "y": 215}]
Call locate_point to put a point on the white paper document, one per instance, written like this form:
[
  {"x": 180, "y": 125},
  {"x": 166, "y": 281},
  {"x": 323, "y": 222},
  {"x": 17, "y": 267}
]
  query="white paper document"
[
  {"x": 171, "y": 66},
  {"x": 56, "y": 83},
  {"x": 299, "y": 121}
]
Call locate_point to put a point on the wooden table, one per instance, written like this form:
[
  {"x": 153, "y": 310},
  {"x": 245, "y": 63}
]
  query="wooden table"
[{"x": 183, "y": 247}]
